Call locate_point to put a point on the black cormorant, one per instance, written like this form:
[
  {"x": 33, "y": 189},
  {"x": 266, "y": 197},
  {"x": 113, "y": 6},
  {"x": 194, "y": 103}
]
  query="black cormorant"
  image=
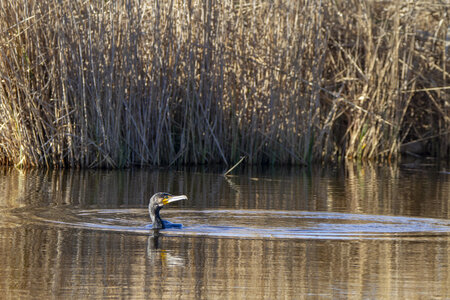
[{"x": 157, "y": 201}]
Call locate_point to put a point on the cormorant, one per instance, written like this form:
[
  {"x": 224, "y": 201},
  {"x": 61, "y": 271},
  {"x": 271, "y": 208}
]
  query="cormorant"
[{"x": 157, "y": 201}]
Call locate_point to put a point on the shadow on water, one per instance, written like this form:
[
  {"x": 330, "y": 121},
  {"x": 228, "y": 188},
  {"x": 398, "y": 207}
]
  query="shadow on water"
[{"x": 373, "y": 232}]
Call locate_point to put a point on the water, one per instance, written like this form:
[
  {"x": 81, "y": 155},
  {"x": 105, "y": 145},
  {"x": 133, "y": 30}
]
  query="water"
[{"x": 288, "y": 233}]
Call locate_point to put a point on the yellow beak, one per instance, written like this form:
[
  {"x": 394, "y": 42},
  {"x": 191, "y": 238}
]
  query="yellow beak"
[{"x": 171, "y": 199}]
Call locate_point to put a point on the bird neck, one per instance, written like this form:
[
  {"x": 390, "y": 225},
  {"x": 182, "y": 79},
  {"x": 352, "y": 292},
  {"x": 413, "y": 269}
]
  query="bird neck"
[{"x": 156, "y": 219}]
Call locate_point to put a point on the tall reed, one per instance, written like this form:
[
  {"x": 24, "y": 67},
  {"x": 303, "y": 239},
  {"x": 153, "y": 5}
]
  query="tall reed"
[{"x": 121, "y": 83}]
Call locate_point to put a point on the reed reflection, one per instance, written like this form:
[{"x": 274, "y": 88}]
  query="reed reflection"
[
  {"x": 356, "y": 189},
  {"x": 83, "y": 263},
  {"x": 42, "y": 260}
]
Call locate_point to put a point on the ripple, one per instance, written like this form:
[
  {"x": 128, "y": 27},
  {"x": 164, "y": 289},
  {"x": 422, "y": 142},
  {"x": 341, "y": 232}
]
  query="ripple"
[{"x": 248, "y": 223}]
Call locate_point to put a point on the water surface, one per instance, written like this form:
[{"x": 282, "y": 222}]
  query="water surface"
[{"x": 283, "y": 233}]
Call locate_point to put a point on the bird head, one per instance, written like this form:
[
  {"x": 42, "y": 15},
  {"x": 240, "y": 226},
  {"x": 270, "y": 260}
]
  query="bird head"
[{"x": 161, "y": 199}]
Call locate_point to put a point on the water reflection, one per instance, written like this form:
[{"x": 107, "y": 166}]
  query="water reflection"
[
  {"x": 368, "y": 190},
  {"x": 91, "y": 264},
  {"x": 42, "y": 258}
]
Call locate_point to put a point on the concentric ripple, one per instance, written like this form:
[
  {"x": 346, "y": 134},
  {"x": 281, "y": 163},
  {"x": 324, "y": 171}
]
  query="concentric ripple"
[{"x": 249, "y": 223}]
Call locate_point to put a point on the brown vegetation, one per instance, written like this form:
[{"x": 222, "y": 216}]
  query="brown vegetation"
[{"x": 120, "y": 83}]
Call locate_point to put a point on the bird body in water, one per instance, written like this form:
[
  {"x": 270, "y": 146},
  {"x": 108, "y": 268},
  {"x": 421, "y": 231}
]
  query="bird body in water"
[{"x": 157, "y": 201}]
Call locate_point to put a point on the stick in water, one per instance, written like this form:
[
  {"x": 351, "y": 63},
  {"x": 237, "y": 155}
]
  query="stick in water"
[{"x": 232, "y": 168}]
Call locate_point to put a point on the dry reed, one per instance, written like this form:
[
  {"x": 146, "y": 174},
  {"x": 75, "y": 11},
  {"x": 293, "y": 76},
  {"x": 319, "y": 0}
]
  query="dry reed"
[{"x": 121, "y": 83}]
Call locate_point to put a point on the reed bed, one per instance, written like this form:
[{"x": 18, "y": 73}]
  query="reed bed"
[{"x": 123, "y": 83}]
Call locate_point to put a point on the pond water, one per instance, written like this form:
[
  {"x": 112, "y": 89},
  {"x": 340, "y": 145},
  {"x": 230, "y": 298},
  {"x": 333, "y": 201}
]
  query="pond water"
[{"x": 362, "y": 231}]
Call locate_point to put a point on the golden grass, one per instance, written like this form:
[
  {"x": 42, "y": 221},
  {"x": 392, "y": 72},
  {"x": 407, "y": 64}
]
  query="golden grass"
[{"x": 121, "y": 83}]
